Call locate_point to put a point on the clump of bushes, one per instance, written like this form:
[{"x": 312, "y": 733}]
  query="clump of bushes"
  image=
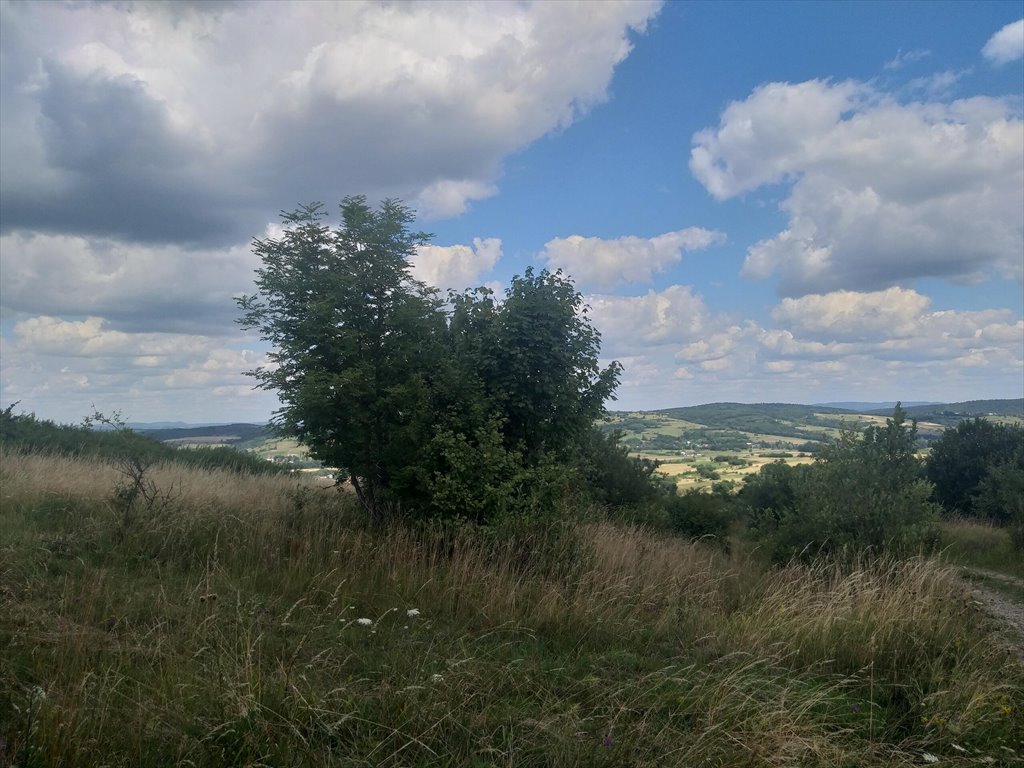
[{"x": 865, "y": 491}]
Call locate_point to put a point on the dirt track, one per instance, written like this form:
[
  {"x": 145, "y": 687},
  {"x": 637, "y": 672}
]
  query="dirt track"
[{"x": 1005, "y": 609}]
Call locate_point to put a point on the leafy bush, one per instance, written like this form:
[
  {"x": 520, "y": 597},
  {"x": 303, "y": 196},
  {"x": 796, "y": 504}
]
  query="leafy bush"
[
  {"x": 1000, "y": 497},
  {"x": 696, "y": 514},
  {"x": 707, "y": 472},
  {"x": 864, "y": 491},
  {"x": 960, "y": 460}
]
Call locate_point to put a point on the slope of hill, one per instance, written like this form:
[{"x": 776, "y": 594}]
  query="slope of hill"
[
  {"x": 884, "y": 405},
  {"x": 950, "y": 414},
  {"x": 226, "y": 434}
]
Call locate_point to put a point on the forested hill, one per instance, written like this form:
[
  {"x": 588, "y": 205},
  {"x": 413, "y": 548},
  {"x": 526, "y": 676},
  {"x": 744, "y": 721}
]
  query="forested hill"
[
  {"x": 735, "y": 426},
  {"x": 787, "y": 419},
  {"x": 951, "y": 413},
  {"x": 228, "y": 434}
]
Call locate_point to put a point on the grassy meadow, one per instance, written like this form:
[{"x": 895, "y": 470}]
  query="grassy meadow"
[{"x": 245, "y": 621}]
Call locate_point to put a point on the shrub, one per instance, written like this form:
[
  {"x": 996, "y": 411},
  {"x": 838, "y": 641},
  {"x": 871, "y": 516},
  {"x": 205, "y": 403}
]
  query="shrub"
[
  {"x": 864, "y": 491},
  {"x": 696, "y": 514}
]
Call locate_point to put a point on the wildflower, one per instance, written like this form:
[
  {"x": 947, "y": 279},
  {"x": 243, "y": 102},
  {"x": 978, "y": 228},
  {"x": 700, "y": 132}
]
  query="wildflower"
[
  {"x": 412, "y": 613},
  {"x": 928, "y": 757},
  {"x": 437, "y": 678},
  {"x": 364, "y": 622},
  {"x": 854, "y": 709},
  {"x": 957, "y": 747},
  {"x": 607, "y": 741}
]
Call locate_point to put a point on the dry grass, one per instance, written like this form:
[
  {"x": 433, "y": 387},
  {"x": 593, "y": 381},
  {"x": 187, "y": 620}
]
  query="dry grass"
[{"x": 221, "y": 629}]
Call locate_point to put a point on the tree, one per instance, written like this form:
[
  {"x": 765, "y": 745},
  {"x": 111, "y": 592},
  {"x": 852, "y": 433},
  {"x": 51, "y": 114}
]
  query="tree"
[
  {"x": 960, "y": 460},
  {"x": 864, "y": 491},
  {"x": 477, "y": 409},
  {"x": 536, "y": 355},
  {"x": 354, "y": 340}
]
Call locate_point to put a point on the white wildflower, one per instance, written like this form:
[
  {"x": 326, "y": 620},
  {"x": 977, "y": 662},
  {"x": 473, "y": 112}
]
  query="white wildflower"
[
  {"x": 957, "y": 747},
  {"x": 437, "y": 678},
  {"x": 364, "y": 622},
  {"x": 412, "y": 613},
  {"x": 929, "y": 757}
]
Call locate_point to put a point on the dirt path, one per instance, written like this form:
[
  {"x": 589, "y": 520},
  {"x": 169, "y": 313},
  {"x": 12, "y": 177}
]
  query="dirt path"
[{"x": 1007, "y": 610}]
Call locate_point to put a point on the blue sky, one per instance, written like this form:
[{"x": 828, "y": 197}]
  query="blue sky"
[{"x": 761, "y": 201}]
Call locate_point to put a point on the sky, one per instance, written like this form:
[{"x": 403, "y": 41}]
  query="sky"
[{"x": 761, "y": 202}]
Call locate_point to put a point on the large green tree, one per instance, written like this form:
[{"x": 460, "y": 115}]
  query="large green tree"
[
  {"x": 535, "y": 356},
  {"x": 471, "y": 407},
  {"x": 355, "y": 340},
  {"x": 962, "y": 458}
]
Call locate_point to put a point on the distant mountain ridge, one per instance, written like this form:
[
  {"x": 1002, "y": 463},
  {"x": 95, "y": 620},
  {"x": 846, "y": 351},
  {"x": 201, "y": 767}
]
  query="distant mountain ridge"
[
  {"x": 863, "y": 406},
  {"x": 788, "y": 420}
]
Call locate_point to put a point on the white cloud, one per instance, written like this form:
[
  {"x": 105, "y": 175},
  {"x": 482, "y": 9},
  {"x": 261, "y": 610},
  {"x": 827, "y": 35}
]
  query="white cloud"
[
  {"x": 214, "y": 134},
  {"x": 894, "y": 312},
  {"x": 1006, "y": 45},
  {"x": 60, "y": 367},
  {"x": 856, "y": 345},
  {"x": 902, "y": 58},
  {"x": 449, "y": 197},
  {"x": 456, "y": 266},
  {"x": 136, "y": 286},
  {"x": 656, "y": 318},
  {"x": 607, "y": 263},
  {"x": 881, "y": 192}
]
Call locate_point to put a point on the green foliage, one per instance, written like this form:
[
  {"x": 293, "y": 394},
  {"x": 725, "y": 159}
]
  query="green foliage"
[
  {"x": 1000, "y": 497},
  {"x": 696, "y": 514},
  {"x": 535, "y": 357},
  {"x": 26, "y": 433},
  {"x": 354, "y": 340},
  {"x": 772, "y": 491},
  {"x": 864, "y": 492},
  {"x": 963, "y": 457},
  {"x": 707, "y": 472},
  {"x": 478, "y": 412},
  {"x": 614, "y": 478}
]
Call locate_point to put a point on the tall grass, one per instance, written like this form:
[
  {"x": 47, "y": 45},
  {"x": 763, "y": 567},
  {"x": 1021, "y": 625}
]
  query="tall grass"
[
  {"x": 980, "y": 544},
  {"x": 222, "y": 629}
]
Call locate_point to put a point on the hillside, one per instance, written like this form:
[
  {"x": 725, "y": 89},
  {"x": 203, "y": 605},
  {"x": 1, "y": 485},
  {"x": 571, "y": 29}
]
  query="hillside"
[
  {"x": 256, "y": 621},
  {"x": 703, "y": 444},
  {"x": 225, "y": 434},
  {"x": 950, "y": 414}
]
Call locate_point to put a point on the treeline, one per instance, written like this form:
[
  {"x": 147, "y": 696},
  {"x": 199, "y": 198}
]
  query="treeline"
[{"x": 25, "y": 433}]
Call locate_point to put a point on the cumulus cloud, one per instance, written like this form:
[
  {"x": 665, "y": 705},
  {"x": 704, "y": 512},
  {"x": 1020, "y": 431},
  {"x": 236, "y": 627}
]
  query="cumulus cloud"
[
  {"x": 850, "y": 314},
  {"x": 606, "y": 263},
  {"x": 135, "y": 287},
  {"x": 456, "y": 266},
  {"x": 653, "y": 319},
  {"x": 1006, "y": 45},
  {"x": 138, "y": 122},
  {"x": 869, "y": 345},
  {"x": 881, "y": 193},
  {"x": 61, "y": 366}
]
